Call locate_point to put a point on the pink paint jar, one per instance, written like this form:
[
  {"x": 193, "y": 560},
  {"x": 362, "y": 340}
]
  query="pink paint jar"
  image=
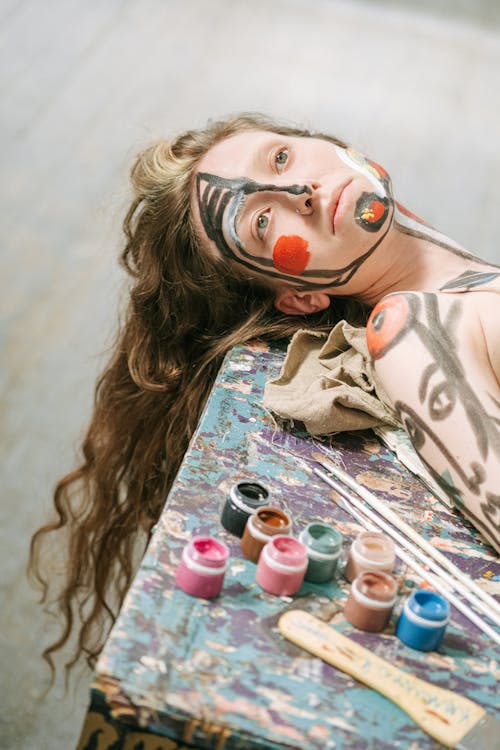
[
  {"x": 282, "y": 566},
  {"x": 371, "y": 601},
  {"x": 371, "y": 550},
  {"x": 202, "y": 567}
]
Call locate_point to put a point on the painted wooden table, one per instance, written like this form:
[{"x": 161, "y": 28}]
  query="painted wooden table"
[{"x": 217, "y": 674}]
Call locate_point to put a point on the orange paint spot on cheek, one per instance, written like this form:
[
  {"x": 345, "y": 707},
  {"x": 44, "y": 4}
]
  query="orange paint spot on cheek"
[
  {"x": 373, "y": 212},
  {"x": 387, "y": 324},
  {"x": 290, "y": 254}
]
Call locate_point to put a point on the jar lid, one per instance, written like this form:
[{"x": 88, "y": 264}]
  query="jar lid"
[
  {"x": 323, "y": 541},
  {"x": 248, "y": 496},
  {"x": 375, "y": 589},
  {"x": 285, "y": 553},
  {"x": 428, "y": 606},
  {"x": 207, "y": 552}
]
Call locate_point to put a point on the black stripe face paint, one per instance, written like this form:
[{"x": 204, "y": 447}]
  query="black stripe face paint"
[{"x": 220, "y": 203}]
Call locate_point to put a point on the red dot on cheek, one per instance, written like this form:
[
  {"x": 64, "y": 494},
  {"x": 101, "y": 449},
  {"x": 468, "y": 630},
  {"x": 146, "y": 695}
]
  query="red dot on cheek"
[
  {"x": 290, "y": 255},
  {"x": 378, "y": 210}
]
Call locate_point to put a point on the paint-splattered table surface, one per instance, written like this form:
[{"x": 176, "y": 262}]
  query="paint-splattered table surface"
[{"x": 217, "y": 673}]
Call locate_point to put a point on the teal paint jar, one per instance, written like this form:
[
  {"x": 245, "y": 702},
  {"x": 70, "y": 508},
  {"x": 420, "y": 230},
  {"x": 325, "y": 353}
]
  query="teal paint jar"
[{"x": 324, "y": 545}]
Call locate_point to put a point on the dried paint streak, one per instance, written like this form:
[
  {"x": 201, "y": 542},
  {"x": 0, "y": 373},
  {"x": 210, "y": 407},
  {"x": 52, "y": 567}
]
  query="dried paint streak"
[{"x": 291, "y": 255}]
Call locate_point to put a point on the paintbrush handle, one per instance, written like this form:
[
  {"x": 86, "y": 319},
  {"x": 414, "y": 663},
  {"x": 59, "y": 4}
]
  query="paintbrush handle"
[
  {"x": 398, "y": 522},
  {"x": 444, "y": 715},
  {"x": 435, "y": 581}
]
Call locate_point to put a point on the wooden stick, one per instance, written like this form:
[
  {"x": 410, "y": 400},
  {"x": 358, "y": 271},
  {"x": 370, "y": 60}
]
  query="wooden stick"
[{"x": 452, "y": 719}]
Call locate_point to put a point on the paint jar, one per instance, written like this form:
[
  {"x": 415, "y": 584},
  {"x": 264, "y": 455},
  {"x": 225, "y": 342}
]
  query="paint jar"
[
  {"x": 371, "y": 600},
  {"x": 282, "y": 566},
  {"x": 423, "y": 620},
  {"x": 323, "y": 544},
  {"x": 371, "y": 550},
  {"x": 260, "y": 527},
  {"x": 202, "y": 567},
  {"x": 243, "y": 501}
]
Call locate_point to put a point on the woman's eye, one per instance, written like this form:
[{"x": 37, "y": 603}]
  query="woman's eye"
[
  {"x": 262, "y": 223},
  {"x": 281, "y": 158}
]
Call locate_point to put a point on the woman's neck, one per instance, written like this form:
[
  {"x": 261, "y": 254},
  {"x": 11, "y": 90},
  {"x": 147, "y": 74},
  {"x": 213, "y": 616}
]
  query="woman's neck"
[{"x": 414, "y": 258}]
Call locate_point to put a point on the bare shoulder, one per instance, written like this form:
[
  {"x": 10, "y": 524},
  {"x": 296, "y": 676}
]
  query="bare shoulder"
[
  {"x": 479, "y": 290},
  {"x": 460, "y": 327}
]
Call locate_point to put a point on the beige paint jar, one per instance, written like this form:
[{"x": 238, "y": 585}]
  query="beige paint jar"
[{"x": 371, "y": 550}]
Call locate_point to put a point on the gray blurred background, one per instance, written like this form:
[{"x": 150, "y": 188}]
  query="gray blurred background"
[{"x": 84, "y": 85}]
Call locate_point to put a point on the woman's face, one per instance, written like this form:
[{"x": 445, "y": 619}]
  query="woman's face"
[{"x": 301, "y": 211}]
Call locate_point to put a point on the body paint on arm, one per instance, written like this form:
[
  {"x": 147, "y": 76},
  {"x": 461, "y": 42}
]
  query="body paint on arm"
[{"x": 442, "y": 392}]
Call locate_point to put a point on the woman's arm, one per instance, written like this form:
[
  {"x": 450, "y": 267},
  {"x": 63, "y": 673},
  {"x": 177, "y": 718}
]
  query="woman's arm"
[{"x": 430, "y": 356}]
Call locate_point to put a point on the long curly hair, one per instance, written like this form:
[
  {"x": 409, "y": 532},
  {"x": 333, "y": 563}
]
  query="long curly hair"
[{"x": 186, "y": 309}]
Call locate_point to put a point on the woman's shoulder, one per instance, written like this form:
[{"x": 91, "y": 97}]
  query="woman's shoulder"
[{"x": 463, "y": 316}]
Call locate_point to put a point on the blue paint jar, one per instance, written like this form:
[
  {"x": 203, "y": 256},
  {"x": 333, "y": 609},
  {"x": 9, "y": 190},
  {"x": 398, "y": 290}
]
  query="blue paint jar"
[
  {"x": 244, "y": 499},
  {"x": 423, "y": 620},
  {"x": 323, "y": 544}
]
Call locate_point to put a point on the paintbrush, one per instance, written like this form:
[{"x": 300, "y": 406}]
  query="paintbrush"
[
  {"x": 393, "y": 518},
  {"x": 441, "y": 576},
  {"x": 453, "y": 720},
  {"x": 434, "y": 580}
]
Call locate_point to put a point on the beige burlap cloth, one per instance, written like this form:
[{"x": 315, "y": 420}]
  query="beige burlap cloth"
[{"x": 327, "y": 382}]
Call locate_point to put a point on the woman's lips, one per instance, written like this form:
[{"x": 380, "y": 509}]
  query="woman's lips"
[{"x": 338, "y": 205}]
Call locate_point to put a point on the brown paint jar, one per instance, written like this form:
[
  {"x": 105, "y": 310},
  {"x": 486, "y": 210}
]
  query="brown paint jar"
[
  {"x": 260, "y": 527},
  {"x": 371, "y": 601},
  {"x": 371, "y": 550}
]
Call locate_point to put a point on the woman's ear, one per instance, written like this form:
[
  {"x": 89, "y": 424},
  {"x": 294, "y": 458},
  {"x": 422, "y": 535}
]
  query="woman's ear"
[{"x": 291, "y": 302}]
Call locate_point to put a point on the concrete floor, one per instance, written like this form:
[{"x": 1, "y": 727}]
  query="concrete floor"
[{"x": 84, "y": 85}]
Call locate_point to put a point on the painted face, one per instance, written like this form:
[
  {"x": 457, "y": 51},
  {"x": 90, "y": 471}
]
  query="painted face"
[{"x": 298, "y": 210}]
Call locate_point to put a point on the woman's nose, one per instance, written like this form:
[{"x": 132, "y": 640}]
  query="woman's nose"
[{"x": 304, "y": 202}]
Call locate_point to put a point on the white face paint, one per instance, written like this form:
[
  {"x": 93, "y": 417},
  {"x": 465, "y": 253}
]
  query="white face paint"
[{"x": 367, "y": 168}]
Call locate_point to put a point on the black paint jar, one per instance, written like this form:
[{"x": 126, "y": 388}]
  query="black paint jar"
[{"x": 244, "y": 499}]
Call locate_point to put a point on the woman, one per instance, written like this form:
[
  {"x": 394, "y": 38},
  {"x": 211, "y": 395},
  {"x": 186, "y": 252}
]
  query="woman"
[{"x": 238, "y": 232}]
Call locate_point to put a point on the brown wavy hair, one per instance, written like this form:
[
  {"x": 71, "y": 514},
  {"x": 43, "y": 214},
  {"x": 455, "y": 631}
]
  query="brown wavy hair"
[{"x": 186, "y": 309}]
